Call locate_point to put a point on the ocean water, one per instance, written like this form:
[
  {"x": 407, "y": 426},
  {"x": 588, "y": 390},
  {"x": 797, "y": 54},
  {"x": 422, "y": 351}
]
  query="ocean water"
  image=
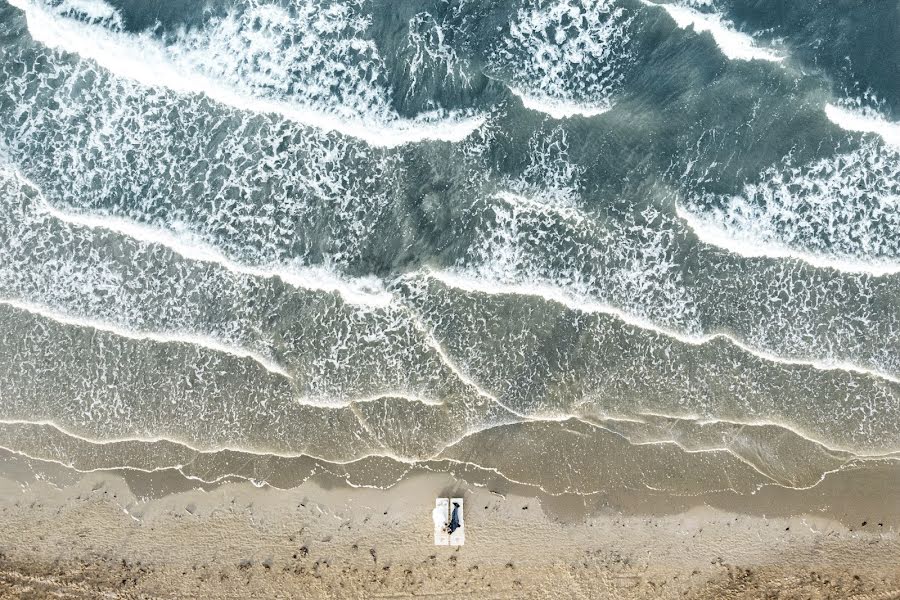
[{"x": 579, "y": 244}]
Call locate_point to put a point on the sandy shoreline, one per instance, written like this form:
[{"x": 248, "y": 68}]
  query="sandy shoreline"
[{"x": 90, "y": 535}]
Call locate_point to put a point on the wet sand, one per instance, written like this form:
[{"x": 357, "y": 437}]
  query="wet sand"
[{"x": 137, "y": 535}]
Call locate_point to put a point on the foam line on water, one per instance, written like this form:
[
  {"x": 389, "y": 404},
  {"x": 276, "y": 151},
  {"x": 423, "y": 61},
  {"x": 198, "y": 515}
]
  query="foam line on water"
[
  {"x": 733, "y": 44},
  {"x": 663, "y": 442},
  {"x": 72, "y": 466},
  {"x": 397, "y": 394},
  {"x": 169, "y": 338},
  {"x": 525, "y": 203},
  {"x": 181, "y": 470},
  {"x": 192, "y": 249},
  {"x": 252, "y": 452},
  {"x": 701, "y": 420},
  {"x": 214, "y": 345},
  {"x": 864, "y": 121},
  {"x": 93, "y": 9},
  {"x": 686, "y": 450},
  {"x": 192, "y": 447},
  {"x": 141, "y": 58},
  {"x": 260, "y": 483},
  {"x": 565, "y": 58},
  {"x": 361, "y": 291},
  {"x": 421, "y": 463},
  {"x": 557, "y": 108},
  {"x": 543, "y": 490},
  {"x": 838, "y": 210},
  {"x": 463, "y": 282},
  {"x": 710, "y": 232},
  {"x": 448, "y": 361},
  {"x": 561, "y": 418},
  {"x": 596, "y": 422},
  {"x": 350, "y": 402}
]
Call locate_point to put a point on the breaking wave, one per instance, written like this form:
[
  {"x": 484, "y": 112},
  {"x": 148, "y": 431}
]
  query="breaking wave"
[
  {"x": 566, "y": 58},
  {"x": 310, "y": 63},
  {"x": 841, "y": 212},
  {"x": 734, "y": 44}
]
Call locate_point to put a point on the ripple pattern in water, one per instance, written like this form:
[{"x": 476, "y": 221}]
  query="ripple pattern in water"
[{"x": 579, "y": 245}]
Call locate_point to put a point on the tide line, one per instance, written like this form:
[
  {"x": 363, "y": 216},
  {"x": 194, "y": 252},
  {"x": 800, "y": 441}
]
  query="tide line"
[
  {"x": 423, "y": 465},
  {"x": 436, "y": 457},
  {"x": 854, "y": 456},
  {"x": 71, "y": 465},
  {"x": 594, "y": 492},
  {"x": 552, "y": 294},
  {"x": 597, "y": 422},
  {"x": 45, "y": 423},
  {"x": 170, "y": 338},
  {"x": 701, "y": 421},
  {"x": 181, "y": 469},
  {"x": 215, "y": 450}
]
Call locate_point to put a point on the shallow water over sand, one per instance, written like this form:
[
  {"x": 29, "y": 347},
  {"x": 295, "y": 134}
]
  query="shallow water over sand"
[{"x": 582, "y": 246}]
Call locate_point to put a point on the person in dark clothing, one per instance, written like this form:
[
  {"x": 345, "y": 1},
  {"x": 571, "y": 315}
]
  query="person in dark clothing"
[{"x": 454, "y": 519}]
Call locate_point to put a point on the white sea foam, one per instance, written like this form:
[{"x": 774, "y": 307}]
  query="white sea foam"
[
  {"x": 361, "y": 291},
  {"x": 189, "y": 445},
  {"x": 93, "y": 10},
  {"x": 457, "y": 371},
  {"x": 493, "y": 471},
  {"x": 526, "y": 203},
  {"x": 365, "y": 291},
  {"x": 536, "y": 239},
  {"x": 469, "y": 281},
  {"x": 130, "y": 289},
  {"x": 733, "y": 44},
  {"x": 864, "y": 120},
  {"x": 556, "y": 108},
  {"x": 245, "y": 67},
  {"x": 565, "y": 58},
  {"x": 548, "y": 186},
  {"x": 347, "y": 402},
  {"x": 755, "y": 241},
  {"x": 167, "y": 338},
  {"x": 841, "y": 212},
  {"x": 434, "y": 58},
  {"x": 536, "y": 230},
  {"x": 473, "y": 283},
  {"x": 261, "y": 192}
]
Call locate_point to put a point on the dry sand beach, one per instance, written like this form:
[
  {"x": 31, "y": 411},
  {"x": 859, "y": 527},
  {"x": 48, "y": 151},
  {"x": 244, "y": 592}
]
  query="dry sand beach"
[{"x": 134, "y": 535}]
